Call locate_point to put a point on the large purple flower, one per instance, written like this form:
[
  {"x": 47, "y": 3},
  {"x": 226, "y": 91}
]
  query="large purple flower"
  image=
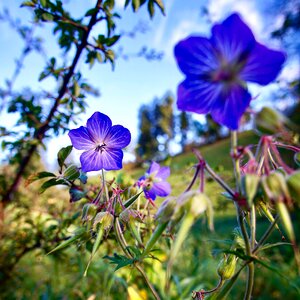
[
  {"x": 218, "y": 68},
  {"x": 154, "y": 182},
  {"x": 102, "y": 143}
]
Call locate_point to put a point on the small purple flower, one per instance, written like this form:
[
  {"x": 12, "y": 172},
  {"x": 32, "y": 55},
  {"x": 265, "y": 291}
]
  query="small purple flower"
[
  {"x": 102, "y": 143},
  {"x": 154, "y": 182},
  {"x": 218, "y": 68}
]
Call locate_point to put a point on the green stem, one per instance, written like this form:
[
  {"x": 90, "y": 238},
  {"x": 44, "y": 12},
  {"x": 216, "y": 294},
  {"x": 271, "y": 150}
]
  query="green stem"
[
  {"x": 240, "y": 215},
  {"x": 180, "y": 238},
  {"x": 104, "y": 185},
  {"x": 122, "y": 242},
  {"x": 219, "y": 180},
  {"x": 266, "y": 235},
  {"x": 253, "y": 226},
  {"x": 236, "y": 161},
  {"x": 250, "y": 281},
  {"x": 154, "y": 237}
]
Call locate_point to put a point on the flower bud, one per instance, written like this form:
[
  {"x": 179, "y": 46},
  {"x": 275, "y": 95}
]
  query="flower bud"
[
  {"x": 250, "y": 184},
  {"x": 89, "y": 211},
  {"x": 297, "y": 158},
  {"x": 227, "y": 266},
  {"x": 72, "y": 173},
  {"x": 269, "y": 121},
  {"x": 104, "y": 219},
  {"x": 275, "y": 187},
  {"x": 166, "y": 210},
  {"x": 128, "y": 215},
  {"x": 194, "y": 202},
  {"x": 293, "y": 183}
]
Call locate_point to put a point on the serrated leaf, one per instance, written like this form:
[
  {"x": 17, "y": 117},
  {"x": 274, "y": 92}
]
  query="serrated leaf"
[
  {"x": 62, "y": 155},
  {"x": 50, "y": 183},
  {"x": 119, "y": 260},
  {"x": 37, "y": 176}
]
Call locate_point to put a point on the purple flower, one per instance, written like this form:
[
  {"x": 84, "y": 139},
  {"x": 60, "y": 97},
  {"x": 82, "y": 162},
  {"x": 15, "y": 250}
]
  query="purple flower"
[
  {"x": 102, "y": 143},
  {"x": 154, "y": 182},
  {"x": 218, "y": 68}
]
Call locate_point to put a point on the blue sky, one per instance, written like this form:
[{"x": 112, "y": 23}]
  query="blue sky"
[{"x": 135, "y": 81}]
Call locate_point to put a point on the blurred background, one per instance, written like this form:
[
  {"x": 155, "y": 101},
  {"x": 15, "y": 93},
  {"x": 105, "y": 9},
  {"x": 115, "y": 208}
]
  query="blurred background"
[{"x": 137, "y": 90}]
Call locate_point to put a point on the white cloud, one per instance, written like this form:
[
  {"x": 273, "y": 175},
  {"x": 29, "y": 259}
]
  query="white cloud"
[
  {"x": 119, "y": 4},
  {"x": 248, "y": 9}
]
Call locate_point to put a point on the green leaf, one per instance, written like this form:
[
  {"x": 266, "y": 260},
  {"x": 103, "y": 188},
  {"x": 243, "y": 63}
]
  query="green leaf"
[
  {"x": 71, "y": 173},
  {"x": 95, "y": 247},
  {"x": 78, "y": 234},
  {"x": 62, "y": 155},
  {"x": 111, "y": 41},
  {"x": 76, "y": 194},
  {"x": 47, "y": 17},
  {"x": 28, "y": 4},
  {"x": 135, "y": 5},
  {"x": 160, "y": 4},
  {"x": 38, "y": 176},
  {"x": 131, "y": 200},
  {"x": 50, "y": 183},
  {"x": 120, "y": 260},
  {"x": 126, "y": 3},
  {"x": 43, "y": 3},
  {"x": 91, "y": 12},
  {"x": 151, "y": 9}
]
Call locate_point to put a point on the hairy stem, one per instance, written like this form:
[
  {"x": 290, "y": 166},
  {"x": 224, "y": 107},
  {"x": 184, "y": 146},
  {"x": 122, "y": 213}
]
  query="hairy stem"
[{"x": 122, "y": 242}]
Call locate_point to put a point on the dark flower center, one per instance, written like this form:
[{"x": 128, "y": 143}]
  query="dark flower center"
[
  {"x": 100, "y": 148},
  {"x": 224, "y": 74}
]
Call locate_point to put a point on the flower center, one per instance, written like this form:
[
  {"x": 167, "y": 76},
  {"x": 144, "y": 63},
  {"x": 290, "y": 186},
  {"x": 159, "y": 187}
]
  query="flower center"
[
  {"x": 224, "y": 74},
  {"x": 100, "y": 148}
]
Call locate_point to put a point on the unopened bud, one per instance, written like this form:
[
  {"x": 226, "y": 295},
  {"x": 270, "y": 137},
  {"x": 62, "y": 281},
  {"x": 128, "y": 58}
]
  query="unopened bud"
[
  {"x": 104, "y": 219},
  {"x": 275, "y": 187},
  {"x": 89, "y": 211},
  {"x": 128, "y": 215},
  {"x": 293, "y": 183},
  {"x": 197, "y": 204},
  {"x": 227, "y": 266},
  {"x": 286, "y": 220},
  {"x": 72, "y": 173},
  {"x": 269, "y": 121},
  {"x": 250, "y": 184},
  {"x": 166, "y": 210}
]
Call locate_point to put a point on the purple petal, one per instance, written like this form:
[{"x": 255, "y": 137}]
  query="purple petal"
[
  {"x": 197, "y": 96},
  {"x": 233, "y": 38},
  {"x": 163, "y": 173},
  {"x": 263, "y": 65},
  {"x": 112, "y": 159},
  {"x": 118, "y": 137},
  {"x": 229, "y": 108},
  {"x": 109, "y": 159},
  {"x": 150, "y": 194},
  {"x": 81, "y": 138},
  {"x": 98, "y": 126},
  {"x": 161, "y": 189},
  {"x": 196, "y": 56},
  {"x": 154, "y": 168}
]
